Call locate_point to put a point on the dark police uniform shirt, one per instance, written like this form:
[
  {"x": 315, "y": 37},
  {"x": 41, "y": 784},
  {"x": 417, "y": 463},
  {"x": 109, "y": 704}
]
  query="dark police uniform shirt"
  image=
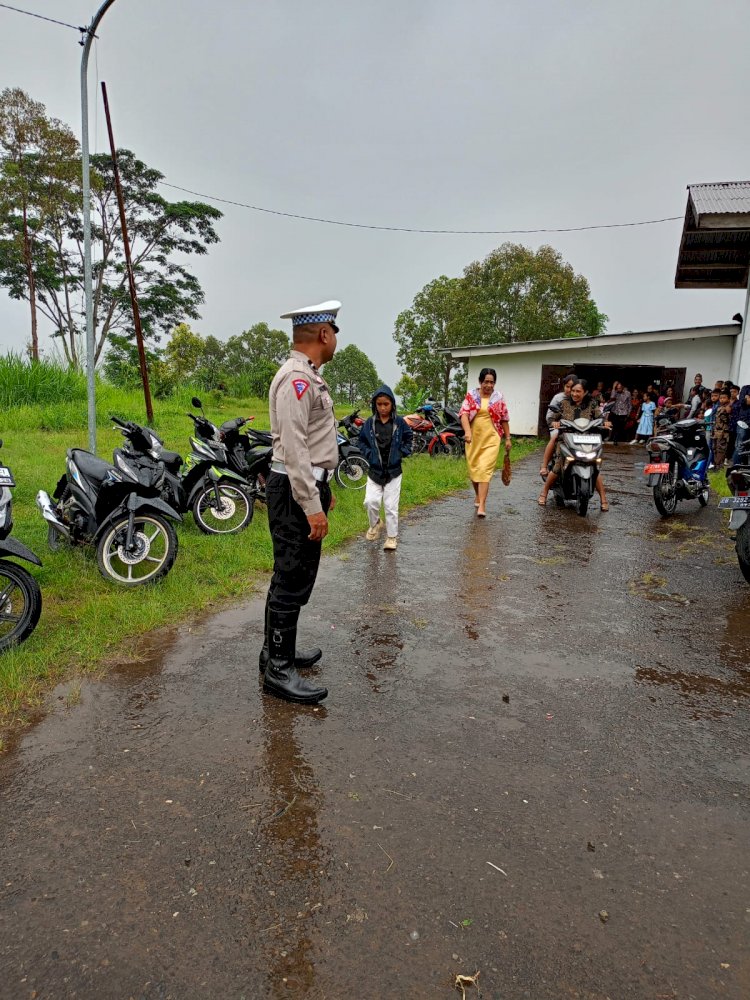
[{"x": 303, "y": 427}]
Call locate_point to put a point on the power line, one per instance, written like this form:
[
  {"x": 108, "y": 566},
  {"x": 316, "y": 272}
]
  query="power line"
[
  {"x": 30, "y": 13},
  {"x": 434, "y": 232}
]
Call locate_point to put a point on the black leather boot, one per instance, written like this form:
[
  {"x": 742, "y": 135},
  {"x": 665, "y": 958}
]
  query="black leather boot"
[
  {"x": 281, "y": 677},
  {"x": 303, "y": 658}
]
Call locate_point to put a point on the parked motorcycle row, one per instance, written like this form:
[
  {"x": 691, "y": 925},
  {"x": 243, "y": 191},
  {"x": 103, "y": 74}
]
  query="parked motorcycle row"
[
  {"x": 678, "y": 470},
  {"x": 127, "y": 509}
]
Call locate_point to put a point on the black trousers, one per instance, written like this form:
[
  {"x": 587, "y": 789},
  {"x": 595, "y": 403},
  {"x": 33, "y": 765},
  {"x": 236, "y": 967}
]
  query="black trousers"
[
  {"x": 618, "y": 427},
  {"x": 295, "y": 557}
]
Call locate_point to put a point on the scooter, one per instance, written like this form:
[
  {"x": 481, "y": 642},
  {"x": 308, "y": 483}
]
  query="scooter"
[
  {"x": 20, "y": 596},
  {"x": 678, "y": 467},
  {"x": 119, "y": 510},
  {"x": 738, "y": 478},
  {"x": 581, "y": 445}
]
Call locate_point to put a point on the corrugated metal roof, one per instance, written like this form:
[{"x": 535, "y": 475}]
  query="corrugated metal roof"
[{"x": 728, "y": 197}]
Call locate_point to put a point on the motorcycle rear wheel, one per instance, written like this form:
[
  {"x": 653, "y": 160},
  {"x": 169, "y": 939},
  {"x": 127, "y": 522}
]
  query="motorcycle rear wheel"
[
  {"x": 234, "y": 513},
  {"x": 351, "y": 473},
  {"x": 666, "y": 504},
  {"x": 742, "y": 547},
  {"x": 154, "y": 555},
  {"x": 20, "y": 604}
]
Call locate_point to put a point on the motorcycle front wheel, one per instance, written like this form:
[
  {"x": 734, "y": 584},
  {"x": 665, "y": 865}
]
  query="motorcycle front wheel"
[
  {"x": 583, "y": 495},
  {"x": 232, "y": 513},
  {"x": 20, "y": 604},
  {"x": 665, "y": 494},
  {"x": 150, "y": 557},
  {"x": 351, "y": 473},
  {"x": 742, "y": 548}
]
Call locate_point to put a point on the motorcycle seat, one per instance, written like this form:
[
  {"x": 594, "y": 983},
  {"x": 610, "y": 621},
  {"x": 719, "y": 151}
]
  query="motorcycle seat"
[
  {"x": 93, "y": 468},
  {"x": 171, "y": 459},
  {"x": 687, "y": 423}
]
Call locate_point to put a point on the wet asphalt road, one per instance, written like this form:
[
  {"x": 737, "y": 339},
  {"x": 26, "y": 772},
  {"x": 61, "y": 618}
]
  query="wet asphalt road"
[{"x": 533, "y": 764}]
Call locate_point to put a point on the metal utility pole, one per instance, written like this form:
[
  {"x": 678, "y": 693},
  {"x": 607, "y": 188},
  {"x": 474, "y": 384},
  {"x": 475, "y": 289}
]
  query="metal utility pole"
[
  {"x": 129, "y": 264},
  {"x": 87, "y": 286}
]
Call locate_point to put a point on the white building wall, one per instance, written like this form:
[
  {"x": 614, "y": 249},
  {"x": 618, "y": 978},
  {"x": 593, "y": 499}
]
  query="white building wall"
[{"x": 519, "y": 375}]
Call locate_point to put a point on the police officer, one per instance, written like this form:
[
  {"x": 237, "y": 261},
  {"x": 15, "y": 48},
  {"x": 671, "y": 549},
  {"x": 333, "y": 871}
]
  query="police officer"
[{"x": 298, "y": 495}]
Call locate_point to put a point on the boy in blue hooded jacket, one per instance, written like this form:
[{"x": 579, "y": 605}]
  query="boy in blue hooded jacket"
[{"x": 384, "y": 440}]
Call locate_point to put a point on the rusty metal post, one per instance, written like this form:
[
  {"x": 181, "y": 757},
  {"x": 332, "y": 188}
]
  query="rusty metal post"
[{"x": 129, "y": 265}]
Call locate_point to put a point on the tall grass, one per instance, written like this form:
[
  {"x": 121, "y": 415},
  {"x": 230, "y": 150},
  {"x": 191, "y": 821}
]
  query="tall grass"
[{"x": 35, "y": 383}]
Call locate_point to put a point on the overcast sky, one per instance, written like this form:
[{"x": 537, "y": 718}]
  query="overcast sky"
[{"x": 437, "y": 114}]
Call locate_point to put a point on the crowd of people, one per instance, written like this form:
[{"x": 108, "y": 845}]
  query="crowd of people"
[{"x": 634, "y": 413}]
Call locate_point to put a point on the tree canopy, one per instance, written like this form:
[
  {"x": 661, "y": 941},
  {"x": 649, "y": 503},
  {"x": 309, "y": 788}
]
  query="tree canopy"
[
  {"x": 351, "y": 376},
  {"x": 515, "y": 294},
  {"x": 41, "y": 234}
]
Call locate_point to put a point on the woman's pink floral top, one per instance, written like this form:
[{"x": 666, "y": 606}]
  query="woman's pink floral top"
[{"x": 497, "y": 408}]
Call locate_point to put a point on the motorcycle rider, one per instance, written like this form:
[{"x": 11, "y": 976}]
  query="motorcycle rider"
[
  {"x": 567, "y": 385},
  {"x": 580, "y": 405}
]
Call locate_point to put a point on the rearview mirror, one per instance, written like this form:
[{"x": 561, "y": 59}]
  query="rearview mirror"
[{"x": 196, "y": 402}]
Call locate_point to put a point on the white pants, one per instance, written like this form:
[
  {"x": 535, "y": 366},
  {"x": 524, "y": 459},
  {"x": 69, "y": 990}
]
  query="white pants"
[{"x": 389, "y": 496}]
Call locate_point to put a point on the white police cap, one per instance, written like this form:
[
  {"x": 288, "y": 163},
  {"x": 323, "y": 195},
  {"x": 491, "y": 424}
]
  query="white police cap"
[{"x": 323, "y": 312}]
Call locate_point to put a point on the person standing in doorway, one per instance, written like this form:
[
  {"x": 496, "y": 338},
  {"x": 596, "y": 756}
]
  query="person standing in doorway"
[
  {"x": 384, "y": 440},
  {"x": 298, "y": 495},
  {"x": 484, "y": 418},
  {"x": 620, "y": 398}
]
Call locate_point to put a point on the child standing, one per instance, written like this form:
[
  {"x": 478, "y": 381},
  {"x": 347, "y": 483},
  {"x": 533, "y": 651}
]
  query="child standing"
[
  {"x": 720, "y": 436},
  {"x": 385, "y": 439},
  {"x": 646, "y": 423}
]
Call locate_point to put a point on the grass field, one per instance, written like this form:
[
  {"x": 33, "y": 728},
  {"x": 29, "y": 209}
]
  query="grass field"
[{"x": 87, "y": 622}]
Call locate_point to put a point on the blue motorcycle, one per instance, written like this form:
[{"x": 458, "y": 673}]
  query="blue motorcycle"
[{"x": 678, "y": 467}]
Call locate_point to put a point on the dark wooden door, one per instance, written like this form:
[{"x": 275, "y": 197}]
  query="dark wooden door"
[
  {"x": 552, "y": 376},
  {"x": 677, "y": 377}
]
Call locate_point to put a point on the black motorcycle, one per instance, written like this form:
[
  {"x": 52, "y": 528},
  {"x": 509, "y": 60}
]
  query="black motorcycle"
[
  {"x": 117, "y": 509},
  {"x": 220, "y": 500},
  {"x": 581, "y": 445},
  {"x": 351, "y": 471},
  {"x": 738, "y": 478},
  {"x": 20, "y": 596},
  {"x": 678, "y": 467},
  {"x": 246, "y": 455}
]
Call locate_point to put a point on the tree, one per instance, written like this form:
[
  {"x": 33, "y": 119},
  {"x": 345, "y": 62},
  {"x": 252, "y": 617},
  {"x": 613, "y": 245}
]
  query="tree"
[
  {"x": 41, "y": 234},
  {"x": 210, "y": 373},
  {"x": 351, "y": 375},
  {"x": 258, "y": 343},
  {"x": 421, "y": 331},
  {"x": 516, "y": 295},
  {"x": 252, "y": 357},
  {"x": 184, "y": 351},
  {"x": 39, "y": 182}
]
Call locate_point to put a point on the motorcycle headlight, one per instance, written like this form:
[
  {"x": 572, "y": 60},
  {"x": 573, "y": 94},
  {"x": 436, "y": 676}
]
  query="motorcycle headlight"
[{"x": 588, "y": 456}]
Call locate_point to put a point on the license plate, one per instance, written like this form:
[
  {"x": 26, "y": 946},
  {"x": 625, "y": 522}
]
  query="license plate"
[
  {"x": 586, "y": 439},
  {"x": 659, "y": 468},
  {"x": 735, "y": 503},
  {"x": 6, "y": 477}
]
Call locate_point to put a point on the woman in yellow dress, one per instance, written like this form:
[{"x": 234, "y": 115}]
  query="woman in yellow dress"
[{"x": 484, "y": 418}]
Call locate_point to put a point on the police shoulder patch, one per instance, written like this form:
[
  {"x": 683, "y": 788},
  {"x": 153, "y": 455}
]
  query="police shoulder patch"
[{"x": 300, "y": 386}]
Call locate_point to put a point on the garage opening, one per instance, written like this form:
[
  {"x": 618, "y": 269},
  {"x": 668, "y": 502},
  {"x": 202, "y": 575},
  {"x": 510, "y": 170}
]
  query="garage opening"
[{"x": 632, "y": 377}]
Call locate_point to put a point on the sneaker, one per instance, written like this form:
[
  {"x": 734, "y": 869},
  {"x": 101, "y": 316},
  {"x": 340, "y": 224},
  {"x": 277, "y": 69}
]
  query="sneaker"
[
  {"x": 634, "y": 441},
  {"x": 374, "y": 531},
  {"x": 390, "y": 544}
]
